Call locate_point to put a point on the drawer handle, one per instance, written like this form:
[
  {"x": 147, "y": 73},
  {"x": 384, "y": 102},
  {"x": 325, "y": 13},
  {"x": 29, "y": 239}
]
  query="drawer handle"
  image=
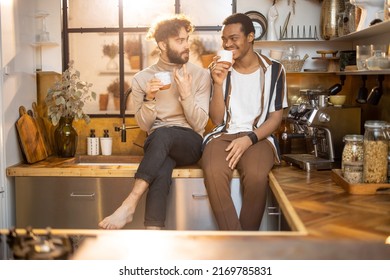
[
  {"x": 273, "y": 211},
  {"x": 82, "y": 195},
  {"x": 199, "y": 195}
]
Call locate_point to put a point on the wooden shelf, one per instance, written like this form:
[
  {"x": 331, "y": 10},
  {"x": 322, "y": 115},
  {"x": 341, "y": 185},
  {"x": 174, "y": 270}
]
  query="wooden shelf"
[
  {"x": 116, "y": 72},
  {"x": 364, "y": 72},
  {"x": 377, "y": 29},
  {"x": 42, "y": 44}
]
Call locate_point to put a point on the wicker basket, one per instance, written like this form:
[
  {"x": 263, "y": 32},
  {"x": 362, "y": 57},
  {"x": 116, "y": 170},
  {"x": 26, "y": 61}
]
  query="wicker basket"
[{"x": 294, "y": 65}]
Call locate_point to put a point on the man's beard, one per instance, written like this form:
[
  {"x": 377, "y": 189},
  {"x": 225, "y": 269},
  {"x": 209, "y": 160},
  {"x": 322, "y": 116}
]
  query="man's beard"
[{"x": 175, "y": 57}]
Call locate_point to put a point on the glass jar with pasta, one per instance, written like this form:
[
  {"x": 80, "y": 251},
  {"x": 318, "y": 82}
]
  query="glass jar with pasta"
[{"x": 375, "y": 152}]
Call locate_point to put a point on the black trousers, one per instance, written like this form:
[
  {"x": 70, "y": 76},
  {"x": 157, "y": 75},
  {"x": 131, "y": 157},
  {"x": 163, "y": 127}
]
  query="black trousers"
[{"x": 164, "y": 149}]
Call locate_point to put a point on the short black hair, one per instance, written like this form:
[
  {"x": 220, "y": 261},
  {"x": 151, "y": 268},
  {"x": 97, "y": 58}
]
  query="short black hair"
[{"x": 246, "y": 22}]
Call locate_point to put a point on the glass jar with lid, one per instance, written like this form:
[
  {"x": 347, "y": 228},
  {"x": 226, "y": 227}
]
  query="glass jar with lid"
[
  {"x": 352, "y": 158},
  {"x": 375, "y": 152},
  {"x": 379, "y": 61}
]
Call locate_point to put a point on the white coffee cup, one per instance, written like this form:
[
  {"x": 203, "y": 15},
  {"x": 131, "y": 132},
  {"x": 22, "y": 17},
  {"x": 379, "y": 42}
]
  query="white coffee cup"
[
  {"x": 165, "y": 78},
  {"x": 225, "y": 56}
]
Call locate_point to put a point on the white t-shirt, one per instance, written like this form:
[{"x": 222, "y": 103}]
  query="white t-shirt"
[{"x": 244, "y": 102}]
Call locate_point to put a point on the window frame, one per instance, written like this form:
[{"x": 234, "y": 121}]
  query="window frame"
[{"x": 120, "y": 31}]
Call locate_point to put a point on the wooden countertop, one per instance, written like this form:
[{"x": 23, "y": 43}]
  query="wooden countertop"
[
  {"x": 328, "y": 214},
  {"x": 327, "y": 211},
  {"x": 93, "y": 166}
]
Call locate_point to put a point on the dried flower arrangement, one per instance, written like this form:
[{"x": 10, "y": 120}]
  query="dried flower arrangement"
[
  {"x": 111, "y": 50},
  {"x": 67, "y": 97}
]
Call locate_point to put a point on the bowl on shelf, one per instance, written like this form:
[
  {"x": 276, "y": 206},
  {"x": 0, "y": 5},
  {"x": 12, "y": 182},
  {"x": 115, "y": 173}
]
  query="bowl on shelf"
[{"x": 337, "y": 100}]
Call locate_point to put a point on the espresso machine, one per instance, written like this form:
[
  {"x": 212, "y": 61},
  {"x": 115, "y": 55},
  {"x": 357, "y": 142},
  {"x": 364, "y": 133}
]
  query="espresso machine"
[{"x": 322, "y": 127}]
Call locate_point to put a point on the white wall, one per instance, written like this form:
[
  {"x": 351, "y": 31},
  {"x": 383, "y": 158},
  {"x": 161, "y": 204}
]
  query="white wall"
[
  {"x": 52, "y": 55},
  {"x": 18, "y": 86}
]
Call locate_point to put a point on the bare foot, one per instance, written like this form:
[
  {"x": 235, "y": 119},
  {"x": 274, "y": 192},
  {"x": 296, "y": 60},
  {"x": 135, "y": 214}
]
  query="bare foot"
[
  {"x": 153, "y": 228},
  {"x": 122, "y": 216}
]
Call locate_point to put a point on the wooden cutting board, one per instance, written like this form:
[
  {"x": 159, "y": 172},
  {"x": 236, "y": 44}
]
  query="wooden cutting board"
[
  {"x": 31, "y": 140},
  {"x": 42, "y": 129}
]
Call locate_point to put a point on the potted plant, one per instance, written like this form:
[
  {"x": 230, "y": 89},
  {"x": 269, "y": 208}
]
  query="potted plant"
[
  {"x": 132, "y": 49},
  {"x": 205, "y": 54},
  {"x": 111, "y": 50},
  {"x": 114, "y": 89},
  {"x": 65, "y": 102}
]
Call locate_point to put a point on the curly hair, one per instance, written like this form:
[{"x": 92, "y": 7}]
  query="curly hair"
[{"x": 169, "y": 27}]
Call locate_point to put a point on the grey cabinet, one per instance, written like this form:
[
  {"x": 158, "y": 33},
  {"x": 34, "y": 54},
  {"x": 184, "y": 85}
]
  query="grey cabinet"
[
  {"x": 81, "y": 202},
  {"x": 70, "y": 202},
  {"x": 189, "y": 207}
]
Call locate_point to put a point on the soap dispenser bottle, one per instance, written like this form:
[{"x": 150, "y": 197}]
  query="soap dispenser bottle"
[
  {"x": 92, "y": 144},
  {"x": 106, "y": 143}
]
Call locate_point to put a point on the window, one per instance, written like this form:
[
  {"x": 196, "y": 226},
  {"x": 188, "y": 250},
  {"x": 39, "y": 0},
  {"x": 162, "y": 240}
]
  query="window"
[{"x": 106, "y": 40}]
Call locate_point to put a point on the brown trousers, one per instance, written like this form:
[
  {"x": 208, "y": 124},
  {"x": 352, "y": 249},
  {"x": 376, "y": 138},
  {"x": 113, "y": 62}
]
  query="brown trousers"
[{"x": 253, "y": 167}]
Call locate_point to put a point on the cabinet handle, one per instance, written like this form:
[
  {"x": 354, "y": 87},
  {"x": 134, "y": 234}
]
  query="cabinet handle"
[
  {"x": 82, "y": 195},
  {"x": 273, "y": 211},
  {"x": 199, "y": 195}
]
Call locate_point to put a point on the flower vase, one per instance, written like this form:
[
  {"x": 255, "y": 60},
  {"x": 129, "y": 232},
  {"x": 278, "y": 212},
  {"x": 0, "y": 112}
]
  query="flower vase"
[
  {"x": 65, "y": 137},
  {"x": 272, "y": 17},
  {"x": 135, "y": 62},
  {"x": 328, "y": 20},
  {"x": 112, "y": 65}
]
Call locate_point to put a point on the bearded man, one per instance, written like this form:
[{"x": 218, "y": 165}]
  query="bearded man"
[{"x": 174, "y": 119}]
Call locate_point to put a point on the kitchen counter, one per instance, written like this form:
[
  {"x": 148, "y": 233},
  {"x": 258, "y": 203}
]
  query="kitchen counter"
[{"x": 328, "y": 220}]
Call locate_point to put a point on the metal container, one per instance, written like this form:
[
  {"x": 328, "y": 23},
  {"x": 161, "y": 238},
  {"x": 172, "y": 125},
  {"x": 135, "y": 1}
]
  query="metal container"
[
  {"x": 322, "y": 101},
  {"x": 328, "y": 21}
]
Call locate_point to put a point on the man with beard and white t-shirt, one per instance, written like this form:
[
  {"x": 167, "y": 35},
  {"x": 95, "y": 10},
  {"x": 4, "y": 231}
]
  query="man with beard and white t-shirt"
[{"x": 174, "y": 119}]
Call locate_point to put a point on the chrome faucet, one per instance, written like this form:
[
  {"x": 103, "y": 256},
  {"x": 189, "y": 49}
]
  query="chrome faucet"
[{"x": 123, "y": 127}]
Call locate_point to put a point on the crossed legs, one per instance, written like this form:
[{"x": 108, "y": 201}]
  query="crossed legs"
[{"x": 165, "y": 148}]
